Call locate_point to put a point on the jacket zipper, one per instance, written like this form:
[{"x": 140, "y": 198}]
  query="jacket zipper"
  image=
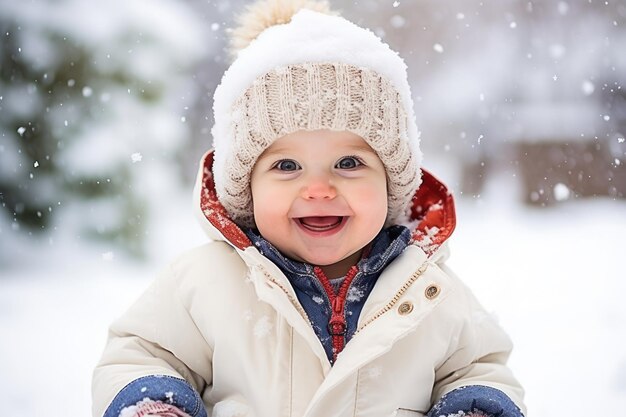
[
  {"x": 395, "y": 298},
  {"x": 338, "y": 305},
  {"x": 337, "y": 324}
]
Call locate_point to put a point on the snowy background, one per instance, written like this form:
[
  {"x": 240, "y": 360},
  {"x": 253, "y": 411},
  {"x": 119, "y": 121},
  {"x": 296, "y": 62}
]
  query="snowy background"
[{"x": 105, "y": 108}]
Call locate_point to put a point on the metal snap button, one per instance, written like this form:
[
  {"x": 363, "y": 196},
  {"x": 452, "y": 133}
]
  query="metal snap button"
[
  {"x": 432, "y": 291},
  {"x": 405, "y": 308}
]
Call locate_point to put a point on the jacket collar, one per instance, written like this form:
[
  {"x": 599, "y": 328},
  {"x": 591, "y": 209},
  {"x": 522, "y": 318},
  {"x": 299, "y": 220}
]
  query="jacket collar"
[
  {"x": 432, "y": 216},
  {"x": 385, "y": 247}
]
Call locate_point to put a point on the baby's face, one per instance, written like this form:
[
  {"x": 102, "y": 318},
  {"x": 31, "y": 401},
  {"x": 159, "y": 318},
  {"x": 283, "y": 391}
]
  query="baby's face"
[{"x": 320, "y": 197}]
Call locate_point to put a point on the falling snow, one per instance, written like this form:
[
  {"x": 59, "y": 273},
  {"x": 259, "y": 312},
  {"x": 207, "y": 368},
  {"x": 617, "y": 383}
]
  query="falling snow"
[
  {"x": 230, "y": 408},
  {"x": 590, "y": 66},
  {"x": 247, "y": 315},
  {"x": 561, "y": 192},
  {"x": 375, "y": 372},
  {"x": 317, "y": 299},
  {"x": 355, "y": 294},
  {"x": 397, "y": 21},
  {"x": 262, "y": 327},
  {"x": 587, "y": 87},
  {"x": 136, "y": 157}
]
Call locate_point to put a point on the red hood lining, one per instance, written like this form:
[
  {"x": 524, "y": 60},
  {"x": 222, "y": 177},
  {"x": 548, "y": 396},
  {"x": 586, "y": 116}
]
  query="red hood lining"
[{"x": 432, "y": 211}]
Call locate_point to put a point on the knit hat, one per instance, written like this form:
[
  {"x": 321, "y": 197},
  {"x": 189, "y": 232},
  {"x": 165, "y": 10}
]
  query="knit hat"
[{"x": 308, "y": 70}]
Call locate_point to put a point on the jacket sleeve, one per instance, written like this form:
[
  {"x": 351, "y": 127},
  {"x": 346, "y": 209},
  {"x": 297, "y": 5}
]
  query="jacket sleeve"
[
  {"x": 154, "y": 352},
  {"x": 474, "y": 374}
]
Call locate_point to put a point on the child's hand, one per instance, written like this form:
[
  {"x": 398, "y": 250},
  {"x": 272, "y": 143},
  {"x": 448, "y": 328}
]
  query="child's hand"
[{"x": 152, "y": 409}]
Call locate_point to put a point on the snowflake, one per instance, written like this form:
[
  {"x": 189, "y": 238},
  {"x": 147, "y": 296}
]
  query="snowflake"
[
  {"x": 136, "y": 157},
  {"x": 230, "y": 408},
  {"x": 318, "y": 299},
  {"x": 561, "y": 192},
  {"x": 375, "y": 372},
  {"x": 247, "y": 315},
  {"x": 355, "y": 294},
  {"x": 262, "y": 327}
]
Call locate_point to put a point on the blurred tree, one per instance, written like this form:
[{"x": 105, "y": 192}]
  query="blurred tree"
[{"x": 86, "y": 94}]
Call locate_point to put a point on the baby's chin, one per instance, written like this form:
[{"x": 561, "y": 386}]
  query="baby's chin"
[
  {"x": 333, "y": 264},
  {"x": 323, "y": 257}
]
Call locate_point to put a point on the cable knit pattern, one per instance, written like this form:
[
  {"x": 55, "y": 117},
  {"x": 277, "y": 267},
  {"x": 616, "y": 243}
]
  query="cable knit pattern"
[{"x": 313, "y": 96}]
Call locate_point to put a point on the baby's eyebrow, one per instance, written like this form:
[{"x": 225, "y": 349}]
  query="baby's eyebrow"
[
  {"x": 285, "y": 151},
  {"x": 362, "y": 147},
  {"x": 273, "y": 152}
]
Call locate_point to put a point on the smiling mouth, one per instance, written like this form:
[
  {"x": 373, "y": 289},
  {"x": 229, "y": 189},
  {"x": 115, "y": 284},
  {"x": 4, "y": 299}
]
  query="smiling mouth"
[{"x": 320, "y": 223}]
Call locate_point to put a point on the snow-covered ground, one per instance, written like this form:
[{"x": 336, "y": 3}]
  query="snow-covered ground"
[{"x": 554, "y": 277}]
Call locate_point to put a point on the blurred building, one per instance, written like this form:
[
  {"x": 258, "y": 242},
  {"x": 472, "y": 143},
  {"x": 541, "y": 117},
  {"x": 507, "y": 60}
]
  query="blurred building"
[{"x": 525, "y": 86}]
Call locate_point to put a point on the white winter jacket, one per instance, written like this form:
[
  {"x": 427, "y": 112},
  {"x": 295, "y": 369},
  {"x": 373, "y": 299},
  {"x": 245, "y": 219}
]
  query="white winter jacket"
[{"x": 227, "y": 320}]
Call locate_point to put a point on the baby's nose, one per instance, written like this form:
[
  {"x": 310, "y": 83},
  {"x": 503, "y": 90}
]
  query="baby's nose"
[{"x": 318, "y": 187}]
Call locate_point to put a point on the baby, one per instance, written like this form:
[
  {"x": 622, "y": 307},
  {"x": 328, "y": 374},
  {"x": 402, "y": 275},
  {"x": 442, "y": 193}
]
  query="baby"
[{"x": 324, "y": 290}]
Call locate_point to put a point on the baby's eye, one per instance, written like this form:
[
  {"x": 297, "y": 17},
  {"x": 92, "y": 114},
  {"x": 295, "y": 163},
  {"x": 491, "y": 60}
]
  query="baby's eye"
[
  {"x": 287, "y": 165},
  {"x": 348, "y": 162}
]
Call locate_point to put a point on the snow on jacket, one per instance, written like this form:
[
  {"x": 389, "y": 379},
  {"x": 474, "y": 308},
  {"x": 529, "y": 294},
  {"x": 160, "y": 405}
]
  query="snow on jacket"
[{"x": 221, "y": 333}]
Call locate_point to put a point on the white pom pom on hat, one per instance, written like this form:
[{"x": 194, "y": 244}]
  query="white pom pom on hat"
[
  {"x": 261, "y": 15},
  {"x": 311, "y": 71}
]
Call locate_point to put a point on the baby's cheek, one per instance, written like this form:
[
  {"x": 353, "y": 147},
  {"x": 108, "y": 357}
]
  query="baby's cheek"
[
  {"x": 374, "y": 197},
  {"x": 264, "y": 194}
]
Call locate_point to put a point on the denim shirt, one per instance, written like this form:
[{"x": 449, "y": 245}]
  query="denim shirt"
[{"x": 385, "y": 247}]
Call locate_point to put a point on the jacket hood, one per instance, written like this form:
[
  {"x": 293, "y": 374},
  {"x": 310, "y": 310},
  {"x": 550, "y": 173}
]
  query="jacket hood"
[{"x": 432, "y": 219}]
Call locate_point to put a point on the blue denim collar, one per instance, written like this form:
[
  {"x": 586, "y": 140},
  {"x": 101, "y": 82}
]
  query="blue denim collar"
[{"x": 385, "y": 247}]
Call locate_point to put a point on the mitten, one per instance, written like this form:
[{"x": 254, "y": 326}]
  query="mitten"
[{"x": 475, "y": 401}]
